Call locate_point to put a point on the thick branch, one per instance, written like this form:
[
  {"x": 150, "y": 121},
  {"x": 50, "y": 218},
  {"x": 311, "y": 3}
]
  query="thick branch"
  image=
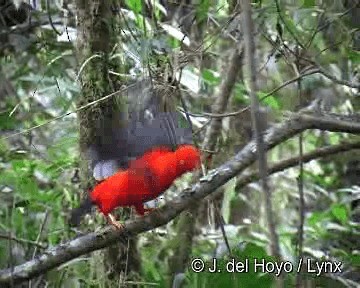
[
  {"x": 244, "y": 180},
  {"x": 97, "y": 240}
]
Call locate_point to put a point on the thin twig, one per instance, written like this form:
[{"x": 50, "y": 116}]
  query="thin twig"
[
  {"x": 11, "y": 225},
  {"x": 319, "y": 29},
  {"x": 38, "y": 238},
  {"x": 69, "y": 113},
  {"x": 286, "y": 26},
  {"x": 300, "y": 181},
  {"x": 214, "y": 115},
  {"x": 47, "y": 7},
  {"x": 336, "y": 80},
  {"x": 142, "y": 283},
  {"x": 242, "y": 110},
  {"x": 23, "y": 241},
  {"x": 223, "y": 232}
]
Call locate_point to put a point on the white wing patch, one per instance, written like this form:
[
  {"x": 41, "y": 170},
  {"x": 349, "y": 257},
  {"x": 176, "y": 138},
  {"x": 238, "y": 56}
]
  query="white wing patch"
[{"x": 105, "y": 169}]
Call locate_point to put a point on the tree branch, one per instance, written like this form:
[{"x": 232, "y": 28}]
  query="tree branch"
[
  {"x": 336, "y": 80},
  {"x": 279, "y": 133},
  {"x": 221, "y": 98},
  {"x": 23, "y": 241},
  {"x": 282, "y": 165},
  {"x": 255, "y": 121}
]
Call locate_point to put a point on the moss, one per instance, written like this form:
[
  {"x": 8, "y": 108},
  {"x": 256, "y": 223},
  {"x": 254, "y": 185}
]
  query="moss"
[{"x": 97, "y": 37}]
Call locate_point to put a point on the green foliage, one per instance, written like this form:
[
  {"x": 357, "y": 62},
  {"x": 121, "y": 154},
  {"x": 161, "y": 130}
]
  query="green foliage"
[
  {"x": 202, "y": 10},
  {"x": 210, "y": 77},
  {"x": 134, "y": 5},
  {"x": 340, "y": 212},
  {"x": 308, "y": 3},
  {"x": 241, "y": 94},
  {"x": 270, "y": 101},
  {"x": 6, "y": 123},
  {"x": 38, "y": 168},
  {"x": 354, "y": 56},
  {"x": 236, "y": 271}
]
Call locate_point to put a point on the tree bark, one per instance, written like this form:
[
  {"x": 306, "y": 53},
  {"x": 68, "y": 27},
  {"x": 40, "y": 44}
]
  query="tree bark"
[{"x": 96, "y": 38}]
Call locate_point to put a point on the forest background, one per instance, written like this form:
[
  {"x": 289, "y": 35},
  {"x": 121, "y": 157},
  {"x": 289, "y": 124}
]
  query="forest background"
[{"x": 272, "y": 89}]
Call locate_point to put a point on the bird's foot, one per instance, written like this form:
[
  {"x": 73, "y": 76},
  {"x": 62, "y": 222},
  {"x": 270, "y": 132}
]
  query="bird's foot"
[{"x": 112, "y": 221}]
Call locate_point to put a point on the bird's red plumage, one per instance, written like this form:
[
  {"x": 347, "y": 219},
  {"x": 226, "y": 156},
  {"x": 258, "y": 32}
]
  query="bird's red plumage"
[{"x": 147, "y": 178}]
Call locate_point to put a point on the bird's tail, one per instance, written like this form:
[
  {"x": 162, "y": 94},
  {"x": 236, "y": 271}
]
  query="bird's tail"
[{"x": 77, "y": 213}]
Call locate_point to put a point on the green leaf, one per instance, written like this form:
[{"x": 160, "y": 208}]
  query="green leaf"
[
  {"x": 354, "y": 56},
  {"x": 271, "y": 101},
  {"x": 244, "y": 277},
  {"x": 355, "y": 260},
  {"x": 241, "y": 96},
  {"x": 292, "y": 26},
  {"x": 202, "y": 10},
  {"x": 308, "y": 3},
  {"x": 134, "y": 5},
  {"x": 210, "y": 77},
  {"x": 317, "y": 217},
  {"x": 254, "y": 251},
  {"x": 339, "y": 211}
]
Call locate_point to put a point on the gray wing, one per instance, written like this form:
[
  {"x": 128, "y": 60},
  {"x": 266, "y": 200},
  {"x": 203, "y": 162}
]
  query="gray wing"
[{"x": 121, "y": 136}]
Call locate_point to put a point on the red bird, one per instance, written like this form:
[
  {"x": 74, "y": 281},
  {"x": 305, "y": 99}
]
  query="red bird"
[
  {"x": 136, "y": 158},
  {"x": 146, "y": 179}
]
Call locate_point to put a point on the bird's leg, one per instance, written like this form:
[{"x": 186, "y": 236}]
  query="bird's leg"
[{"x": 112, "y": 221}]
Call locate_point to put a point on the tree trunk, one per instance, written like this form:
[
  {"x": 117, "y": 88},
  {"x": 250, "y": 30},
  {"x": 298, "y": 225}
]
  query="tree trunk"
[{"x": 96, "y": 38}]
